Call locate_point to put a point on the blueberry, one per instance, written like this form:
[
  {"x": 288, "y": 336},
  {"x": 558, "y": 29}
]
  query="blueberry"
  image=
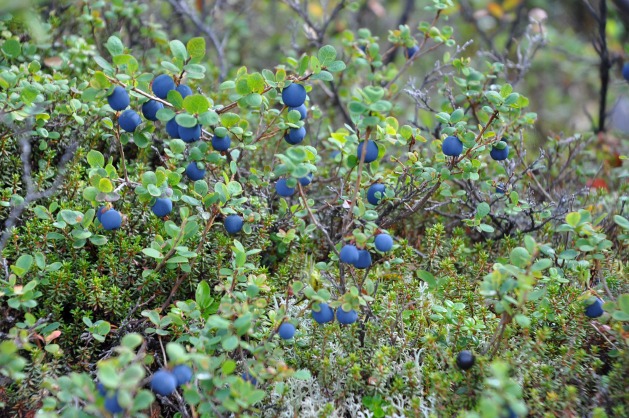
[
  {"x": 111, "y": 219},
  {"x": 346, "y": 318},
  {"x": 99, "y": 212},
  {"x": 163, "y": 382},
  {"x": 411, "y": 51},
  {"x": 595, "y": 309},
  {"x": 499, "y": 154},
  {"x": 371, "y": 193},
  {"x": 184, "y": 90},
  {"x": 364, "y": 259},
  {"x": 172, "y": 128},
  {"x": 282, "y": 189},
  {"x": 183, "y": 374},
  {"x": 162, "y": 207},
  {"x": 247, "y": 377},
  {"x": 111, "y": 402},
  {"x": 193, "y": 172},
  {"x": 383, "y": 242},
  {"x": 162, "y": 84},
  {"x": 295, "y": 136},
  {"x": 129, "y": 120},
  {"x": 306, "y": 180},
  {"x": 294, "y": 95},
  {"x": 221, "y": 143},
  {"x": 118, "y": 99},
  {"x": 349, "y": 254},
  {"x": 190, "y": 134},
  {"x": 465, "y": 360},
  {"x": 303, "y": 111},
  {"x": 501, "y": 188},
  {"x": 452, "y": 146},
  {"x": 286, "y": 331},
  {"x": 372, "y": 151},
  {"x": 233, "y": 224},
  {"x": 625, "y": 71},
  {"x": 325, "y": 314},
  {"x": 150, "y": 109}
]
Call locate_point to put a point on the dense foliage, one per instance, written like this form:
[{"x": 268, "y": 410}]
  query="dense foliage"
[{"x": 377, "y": 209}]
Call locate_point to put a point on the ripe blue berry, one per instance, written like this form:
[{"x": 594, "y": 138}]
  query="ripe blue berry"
[
  {"x": 111, "y": 402},
  {"x": 190, "y": 134},
  {"x": 193, "y": 172},
  {"x": 184, "y": 90},
  {"x": 233, "y": 224},
  {"x": 383, "y": 242},
  {"x": 371, "y": 193},
  {"x": 346, "y": 318},
  {"x": 150, "y": 109},
  {"x": 465, "y": 360},
  {"x": 163, "y": 382},
  {"x": 364, "y": 260},
  {"x": 372, "y": 151},
  {"x": 595, "y": 310},
  {"x": 183, "y": 374},
  {"x": 111, "y": 220},
  {"x": 129, "y": 120},
  {"x": 303, "y": 111},
  {"x": 99, "y": 212},
  {"x": 282, "y": 189},
  {"x": 501, "y": 188},
  {"x": 162, "y": 84},
  {"x": 162, "y": 207},
  {"x": 304, "y": 181},
  {"x": 499, "y": 154},
  {"x": 325, "y": 314},
  {"x": 411, "y": 51},
  {"x": 625, "y": 71},
  {"x": 172, "y": 128},
  {"x": 452, "y": 146},
  {"x": 294, "y": 95},
  {"x": 247, "y": 377},
  {"x": 349, "y": 254},
  {"x": 286, "y": 331},
  {"x": 118, "y": 99},
  {"x": 295, "y": 136},
  {"x": 221, "y": 143}
]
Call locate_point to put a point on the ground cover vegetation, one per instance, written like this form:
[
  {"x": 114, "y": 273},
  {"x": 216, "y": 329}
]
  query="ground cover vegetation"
[{"x": 336, "y": 208}]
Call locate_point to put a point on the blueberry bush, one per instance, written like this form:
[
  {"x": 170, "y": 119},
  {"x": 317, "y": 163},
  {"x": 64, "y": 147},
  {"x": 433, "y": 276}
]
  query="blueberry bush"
[{"x": 328, "y": 208}]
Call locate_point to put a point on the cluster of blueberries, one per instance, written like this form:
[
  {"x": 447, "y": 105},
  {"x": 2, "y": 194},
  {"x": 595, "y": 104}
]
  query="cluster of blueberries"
[
  {"x": 294, "y": 96},
  {"x": 453, "y": 147},
  {"x": 164, "y": 382},
  {"x": 129, "y": 120}
]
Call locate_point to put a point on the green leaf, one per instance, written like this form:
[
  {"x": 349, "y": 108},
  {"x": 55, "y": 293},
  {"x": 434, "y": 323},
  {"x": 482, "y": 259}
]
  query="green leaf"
[
  {"x": 457, "y": 116},
  {"x": 95, "y": 159},
  {"x": 323, "y": 76},
  {"x": 151, "y": 252},
  {"x": 178, "y": 49},
  {"x": 186, "y": 120},
  {"x": 622, "y": 222},
  {"x": 623, "y": 302},
  {"x": 230, "y": 343},
  {"x": 482, "y": 210},
  {"x": 336, "y": 66},
  {"x": 196, "y": 47},
  {"x": 196, "y": 104},
  {"x": 520, "y": 257},
  {"x": 23, "y": 264},
  {"x": 573, "y": 219},
  {"x": 427, "y": 277},
  {"x": 114, "y": 46},
  {"x": 202, "y": 295},
  {"x": 302, "y": 374},
  {"x": 12, "y": 48},
  {"x": 326, "y": 55}
]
